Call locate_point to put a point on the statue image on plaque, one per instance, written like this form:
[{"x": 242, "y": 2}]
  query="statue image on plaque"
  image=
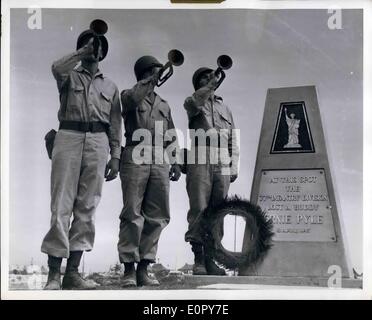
[
  {"x": 293, "y": 125},
  {"x": 292, "y": 131}
]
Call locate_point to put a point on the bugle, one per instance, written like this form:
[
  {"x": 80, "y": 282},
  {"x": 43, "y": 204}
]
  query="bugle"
[
  {"x": 175, "y": 58},
  {"x": 99, "y": 28},
  {"x": 224, "y": 62}
]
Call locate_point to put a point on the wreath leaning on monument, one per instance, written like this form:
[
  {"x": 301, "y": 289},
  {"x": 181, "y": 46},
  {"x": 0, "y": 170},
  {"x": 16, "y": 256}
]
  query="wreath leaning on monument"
[{"x": 258, "y": 232}]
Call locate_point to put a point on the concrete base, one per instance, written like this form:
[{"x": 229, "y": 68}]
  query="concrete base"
[{"x": 212, "y": 282}]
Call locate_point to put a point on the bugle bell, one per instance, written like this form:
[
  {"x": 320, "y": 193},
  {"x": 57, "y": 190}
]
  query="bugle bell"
[
  {"x": 99, "y": 28},
  {"x": 224, "y": 62},
  {"x": 175, "y": 58}
]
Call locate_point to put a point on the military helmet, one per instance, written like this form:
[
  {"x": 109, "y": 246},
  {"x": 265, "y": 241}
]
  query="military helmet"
[
  {"x": 143, "y": 64},
  {"x": 84, "y": 38},
  {"x": 197, "y": 75}
]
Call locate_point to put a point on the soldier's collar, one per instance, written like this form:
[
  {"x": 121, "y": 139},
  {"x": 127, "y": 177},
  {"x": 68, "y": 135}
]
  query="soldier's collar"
[
  {"x": 156, "y": 100},
  {"x": 82, "y": 69},
  {"x": 216, "y": 98}
]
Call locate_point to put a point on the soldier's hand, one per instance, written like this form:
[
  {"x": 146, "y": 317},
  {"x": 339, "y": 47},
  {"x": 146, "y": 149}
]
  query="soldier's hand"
[
  {"x": 156, "y": 75},
  {"x": 213, "y": 79},
  {"x": 88, "y": 49},
  {"x": 233, "y": 177},
  {"x": 175, "y": 172},
  {"x": 112, "y": 169}
]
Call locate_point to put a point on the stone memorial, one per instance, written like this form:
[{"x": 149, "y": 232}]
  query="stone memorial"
[{"x": 292, "y": 183}]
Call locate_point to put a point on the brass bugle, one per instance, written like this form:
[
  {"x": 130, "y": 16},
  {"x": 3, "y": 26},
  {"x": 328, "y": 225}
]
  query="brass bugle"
[
  {"x": 224, "y": 62},
  {"x": 99, "y": 28},
  {"x": 175, "y": 58}
]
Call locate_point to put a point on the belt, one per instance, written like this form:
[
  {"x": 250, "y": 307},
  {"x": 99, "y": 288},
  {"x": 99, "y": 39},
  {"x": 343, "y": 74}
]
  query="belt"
[
  {"x": 93, "y": 127},
  {"x": 131, "y": 143}
]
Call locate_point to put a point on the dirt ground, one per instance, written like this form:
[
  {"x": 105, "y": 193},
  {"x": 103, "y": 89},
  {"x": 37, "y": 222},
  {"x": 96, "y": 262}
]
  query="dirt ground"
[{"x": 166, "y": 283}]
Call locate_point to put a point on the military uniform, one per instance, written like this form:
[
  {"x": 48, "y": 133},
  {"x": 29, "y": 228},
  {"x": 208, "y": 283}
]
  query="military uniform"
[
  {"x": 145, "y": 186},
  {"x": 90, "y": 128},
  {"x": 206, "y": 183},
  {"x": 208, "y": 177}
]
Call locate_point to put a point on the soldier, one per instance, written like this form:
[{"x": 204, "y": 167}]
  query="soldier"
[
  {"x": 145, "y": 186},
  {"x": 90, "y": 127},
  {"x": 207, "y": 181}
]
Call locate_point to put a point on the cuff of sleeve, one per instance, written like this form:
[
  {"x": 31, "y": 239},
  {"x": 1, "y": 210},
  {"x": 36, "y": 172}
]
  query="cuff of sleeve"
[
  {"x": 234, "y": 171},
  {"x": 115, "y": 152}
]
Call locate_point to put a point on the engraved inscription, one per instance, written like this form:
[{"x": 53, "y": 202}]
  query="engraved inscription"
[{"x": 297, "y": 201}]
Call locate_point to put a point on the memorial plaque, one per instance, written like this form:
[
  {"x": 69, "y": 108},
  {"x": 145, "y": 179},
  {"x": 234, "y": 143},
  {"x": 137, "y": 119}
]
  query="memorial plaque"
[
  {"x": 297, "y": 201},
  {"x": 292, "y": 182}
]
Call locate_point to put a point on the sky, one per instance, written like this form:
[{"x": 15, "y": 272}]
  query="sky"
[{"x": 269, "y": 48}]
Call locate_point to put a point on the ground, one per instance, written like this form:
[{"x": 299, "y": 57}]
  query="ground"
[{"x": 112, "y": 282}]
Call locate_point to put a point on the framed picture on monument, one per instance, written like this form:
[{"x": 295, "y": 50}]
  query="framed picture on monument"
[{"x": 292, "y": 131}]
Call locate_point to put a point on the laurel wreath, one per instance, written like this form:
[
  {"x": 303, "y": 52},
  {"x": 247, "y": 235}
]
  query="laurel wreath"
[{"x": 258, "y": 237}]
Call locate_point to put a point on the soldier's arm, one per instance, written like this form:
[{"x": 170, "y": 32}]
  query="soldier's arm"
[
  {"x": 191, "y": 107},
  {"x": 62, "y": 68},
  {"x": 201, "y": 95},
  {"x": 194, "y": 104},
  {"x": 131, "y": 98},
  {"x": 115, "y": 131},
  {"x": 233, "y": 144},
  {"x": 173, "y": 150},
  {"x": 171, "y": 137}
]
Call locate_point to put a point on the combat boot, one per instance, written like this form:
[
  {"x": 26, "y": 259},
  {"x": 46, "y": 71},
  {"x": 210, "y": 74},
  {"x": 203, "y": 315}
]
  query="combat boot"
[
  {"x": 199, "y": 267},
  {"x": 143, "y": 278},
  {"x": 129, "y": 279},
  {"x": 54, "y": 280},
  {"x": 54, "y": 274},
  {"x": 72, "y": 279}
]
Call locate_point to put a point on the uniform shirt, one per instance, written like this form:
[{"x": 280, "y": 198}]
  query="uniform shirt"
[
  {"x": 140, "y": 113},
  {"x": 207, "y": 111},
  {"x": 88, "y": 98},
  {"x": 212, "y": 113}
]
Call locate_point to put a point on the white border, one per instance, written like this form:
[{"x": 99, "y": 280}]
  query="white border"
[{"x": 313, "y": 293}]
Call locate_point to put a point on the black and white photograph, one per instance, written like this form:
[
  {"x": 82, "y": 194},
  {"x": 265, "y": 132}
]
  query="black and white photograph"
[{"x": 178, "y": 152}]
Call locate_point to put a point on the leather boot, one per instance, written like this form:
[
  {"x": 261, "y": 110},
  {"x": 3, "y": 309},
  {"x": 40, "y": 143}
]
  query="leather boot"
[
  {"x": 72, "y": 279},
  {"x": 54, "y": 274},
  {"x": 129, "y": 279},
  {"x": 212, "y": 268},
  {"x": 143, "y": 278},
  {"x": 199, "y": 267}
]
